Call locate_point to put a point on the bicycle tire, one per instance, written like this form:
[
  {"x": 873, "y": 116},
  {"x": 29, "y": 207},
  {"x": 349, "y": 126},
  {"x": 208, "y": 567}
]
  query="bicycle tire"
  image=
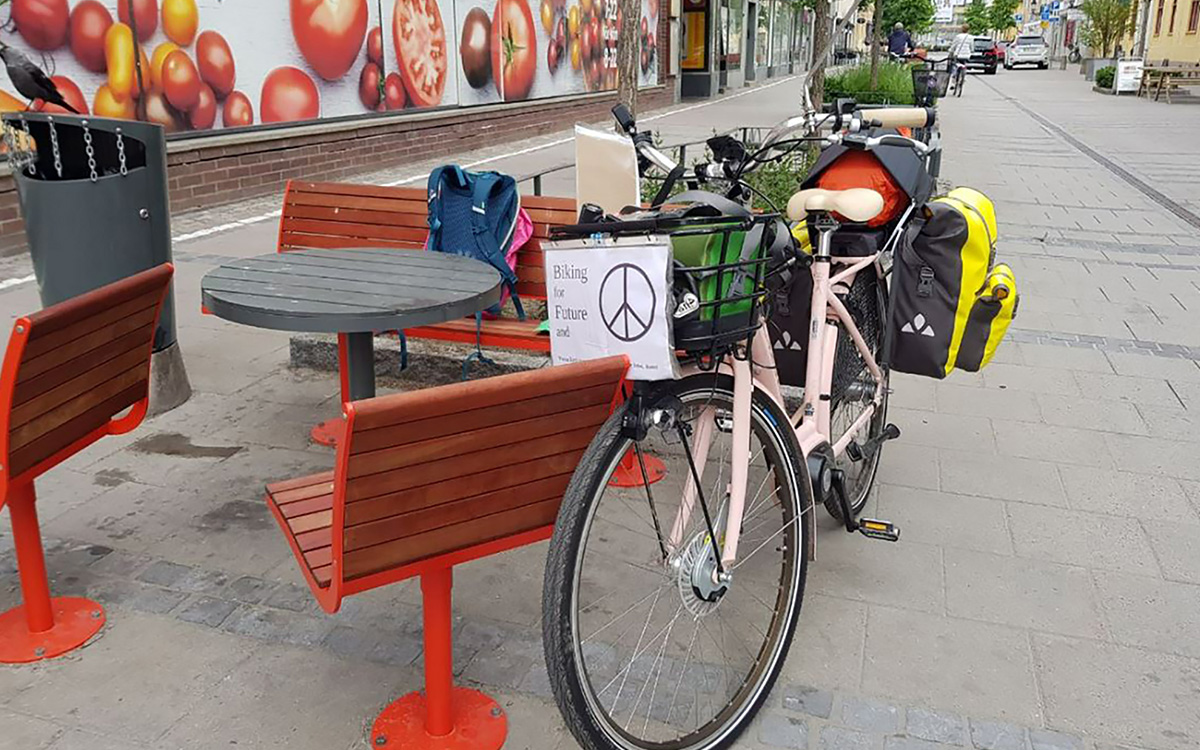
[
  {"x": 867, "y": 304},
  {"x": 589, "y": 721}
]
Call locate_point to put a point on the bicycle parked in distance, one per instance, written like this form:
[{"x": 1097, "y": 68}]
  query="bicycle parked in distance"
[{"x": 669, "y": 608}]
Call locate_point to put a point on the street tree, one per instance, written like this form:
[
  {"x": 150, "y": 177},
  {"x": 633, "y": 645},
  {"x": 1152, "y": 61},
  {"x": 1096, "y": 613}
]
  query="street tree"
[
  {"x": 822, "y": 19},
  {"x": 628, "y": 53},
  {"x": 1104, "y": 25},
  {"x": 1000, "y": 14},
  {"x": 876, "y": 41},
  {"x": 916, "y": 15},
  {"x": 977, "y": 17}
]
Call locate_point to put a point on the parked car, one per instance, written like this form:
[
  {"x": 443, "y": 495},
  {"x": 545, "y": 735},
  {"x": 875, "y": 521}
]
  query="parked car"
[
  {"x": 1002, "y": 50},
  {"x": 984, "y": 55},
  {"x": 1028, "y": 50}
]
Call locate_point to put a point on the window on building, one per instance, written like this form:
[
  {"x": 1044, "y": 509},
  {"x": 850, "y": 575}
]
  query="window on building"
[
  {"x": 1194, "y": 17},
  {"x": 1171, "y": 26},
  {"x": 1158, "y": 14}
]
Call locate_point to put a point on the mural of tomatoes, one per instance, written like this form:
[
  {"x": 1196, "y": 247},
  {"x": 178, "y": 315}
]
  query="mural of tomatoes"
[
  {"x": 43, "y": 23},
  {"x": 204, "y": 115},
  {"x": 420, "y": 40},
  {"x": 180, "y": 20},
  {"x": 70, "y": 92},
  {"x": 237, "y": 112},
  {"x": 89, "y": 23},
  {"x": 368, "y": 86},
  {"x": 514, "y": 49},
  {"x": 108, "y": 104},
  {"x": 394, "y": 96},
  {"x": 288, "y": 95},
  {"x": 375, "y": 45},
  {"x": 157, "y": 58},
  {"x": 145, "y": 13},
  {"x": 475, "y": 48},
  {"x": 215, "y": 61},
  {"x": 329, "y": 33},
  {"x": 180, "y": 81}
]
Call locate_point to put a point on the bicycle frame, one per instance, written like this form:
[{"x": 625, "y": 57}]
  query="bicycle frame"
[{"x": 811, "y": 422}]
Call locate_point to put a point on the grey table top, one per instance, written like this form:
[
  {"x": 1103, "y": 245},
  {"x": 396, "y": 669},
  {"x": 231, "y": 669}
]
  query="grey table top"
[{"x": 349, "y": 291}]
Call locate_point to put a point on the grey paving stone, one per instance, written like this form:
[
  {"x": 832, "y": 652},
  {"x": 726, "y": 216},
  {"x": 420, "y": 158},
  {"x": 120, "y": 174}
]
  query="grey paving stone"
[
  {"x": 911, "y": 743},
  {"x": 935, "y": 726},
  {"x": 808, "y": 700},
  {"x": 1064, "y": 445},
  {"x": 840, "y": 738},
  {"x": 249, "y": 589},
  {"x": 946, "y": 519},
  {"x": 350, "y": 642},
  {"x": 1044, "y": 739},
  {"x": 77, "y": 555},
  {"x": 778, "y": 730},
  {"x": 294, "y": 599},
  {"x": 872, "y": 716},
  {"x": 899, "y": 575},
  {"x": 121, "y": 564},
  {"x": 135, "y": 596},
  {"x": 500, "y": 667},
  {"x": 1123, "y": 493},
  {"x": 1177, "y": 548},
  {"x": 1002, "y": 477},
  {"x": 277, "y": 626},
  {"x": 1159, "y": 615},
  {"x": 537, "y": 682},
  {"x": 206, "y": 610},
  {"x": 1085, "y": 539},
  {"x": 992, "y": 735},
  {"x": 164, "y": 573},
  {"x": 397, "y": 649}
]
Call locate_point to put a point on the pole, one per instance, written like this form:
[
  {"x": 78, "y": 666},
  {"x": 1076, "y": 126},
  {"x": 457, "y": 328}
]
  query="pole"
[
  {"x": 31, "y": 561},
  {"x": 439, "y": 676}
]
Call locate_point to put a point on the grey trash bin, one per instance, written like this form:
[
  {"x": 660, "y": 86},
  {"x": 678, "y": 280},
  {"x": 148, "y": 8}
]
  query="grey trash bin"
[{"x": 94, "y": 198}]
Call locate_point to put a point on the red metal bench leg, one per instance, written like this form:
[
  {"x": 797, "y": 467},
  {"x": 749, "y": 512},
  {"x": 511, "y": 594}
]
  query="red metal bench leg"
[
  {"x": 629, "y": 474},
  {"x": 41, "y": 628},
  {"x": 443, "y": 717},
  {"x": 328, "y": 432}
]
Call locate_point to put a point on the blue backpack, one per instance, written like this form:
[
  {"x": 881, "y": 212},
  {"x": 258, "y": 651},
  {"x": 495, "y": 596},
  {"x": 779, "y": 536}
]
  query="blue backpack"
[{"x": 474, "y": 214}]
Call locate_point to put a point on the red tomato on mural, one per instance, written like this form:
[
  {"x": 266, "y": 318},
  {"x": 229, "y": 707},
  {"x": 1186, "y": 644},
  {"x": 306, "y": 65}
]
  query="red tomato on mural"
[
  {"x": 145, "y": 12},
  {"x": 289, "y": 94},
  {"x": 70, "y": 92},
  {"x": 514, "y": 49},
  {"x": 368, "y": 86},
  {"x": 237, "y": 112},
  {"x": 43, "y": 23},
  {"x": 180, "y": 81},
  {"x": 329, "y": 33},
  {"x": 215, "y": 61},
  {"x": 420, "y": 40},
  {"x": 394, "y": 97},
  {"x": 204, "y": 114},
  {"x": 89, "y": 23}
]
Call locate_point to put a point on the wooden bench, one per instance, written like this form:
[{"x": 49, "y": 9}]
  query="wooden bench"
[
  {"x": 69, "y": 373},
  {"x": 338, "y": 215},
  {"x": 1167, "y": 77},
  {"x": 429, "y": 479}
]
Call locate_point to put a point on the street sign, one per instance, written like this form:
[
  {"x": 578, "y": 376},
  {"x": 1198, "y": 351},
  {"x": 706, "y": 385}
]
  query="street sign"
[
  {"x": 1045, "y": 14},
  {"x": 943, "y": 11},
  {"x": 1055, "y": 4},
  {"x": 1018, "y": 17}
]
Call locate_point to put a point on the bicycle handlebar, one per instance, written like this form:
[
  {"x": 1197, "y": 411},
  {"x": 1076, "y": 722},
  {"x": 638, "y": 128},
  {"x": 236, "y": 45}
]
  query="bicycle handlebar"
[{"x": 896, "y": 117}]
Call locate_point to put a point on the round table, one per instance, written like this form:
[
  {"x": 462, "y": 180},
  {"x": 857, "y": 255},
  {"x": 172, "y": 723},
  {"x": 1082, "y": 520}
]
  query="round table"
[{"x": 351, "y": 292}]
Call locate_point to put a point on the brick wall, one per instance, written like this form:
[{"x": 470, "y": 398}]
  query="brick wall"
[{"x": 212, "y": 171}]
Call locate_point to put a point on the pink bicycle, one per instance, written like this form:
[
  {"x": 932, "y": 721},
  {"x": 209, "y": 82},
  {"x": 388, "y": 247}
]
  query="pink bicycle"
[{"x": 669, "y": 607}]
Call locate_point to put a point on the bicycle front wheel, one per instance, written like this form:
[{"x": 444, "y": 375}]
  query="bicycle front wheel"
[{"x": 644, "y": 648}]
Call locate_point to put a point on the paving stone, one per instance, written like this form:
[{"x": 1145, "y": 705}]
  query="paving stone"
[
  {"x": 1124, "y": 493},
  {"x": 1065, "y": 445},
  {"x": 1159, "y": 615},
  {"x": 938, "y": 430},
  {"x": 947, "y": 519},
  {"x": 398, "y": 649},
  {"x": 293, "y": 599},
  {"x": 935, "y": 726},
  {"x": 277, "y": 626},
  {"x": 1044, "y": 739},
  {"x": 840, "y": 738},
  {"x": 1177, "y": 548},
  {"x": 991, "y": 735},
  {"x": 206, "y": 610},
  {"x": 1084, "y": 539},
  {"x": 502, "y": 667},
  {"x": 27, "y": 732},
  {"x": 77, "y": 555},
  {"x": 74, "y": 739},
  {"x": 121, "y": 564},
  {"x": 900, "y": 575},
  {"x": 833, "y": 633},
  {"x": 778, "y": 730},
  {"x": 909, "y": 466},
  {"x": 1002, "y": 477},
  {"x": 249, "y": 589},
  {"x": 870, "y": 715},
  {"x": 350, "y": 642},
  {"x": 911, "y": 743},
  {"x": 1031, "y": 379},
  {"x": 537, "y": 682},
  {"x": 808, "y": 700},
  {"x": 135, "y": 596},
  {"x": 164, "y": 573}
]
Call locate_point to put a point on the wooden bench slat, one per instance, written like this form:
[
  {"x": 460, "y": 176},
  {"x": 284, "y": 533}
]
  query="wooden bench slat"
[
  {"x": 309, "y": 505},
  {"x": 466, "y": 441},
  {"x": 81, "y": 404},
  {"x": 134, "y": 360},
  {"x": 477, "y": 531},
  {"x": 359, "y": 216},
  {"x": 69, "y": 369},
  {"x": 311, "y": 521},
  {"x": 443, "y": 469},
  {"x": 370, "y": 203},
  {"x": 321, "y": 242},
  {"x": 406, "y": 407},
  {"x": 476, "y": 419},
  {"x": 352, "y": 188},
  {"x": 52, "y": 442},
  {"x": 42, "y": 342},
  {"x": 353, "y": 231},
  {"x": 456, "y": 512},
  {"x": 311, "y": 540},
  {"x": 77, "y": 355},
  {"x": 428, "y": 495},
  {"x": 323, "y": 477},
  {"x": 319, "y": 556},
  {"x": 288, "y": 498},
  {"x": 88, "y": 306}
]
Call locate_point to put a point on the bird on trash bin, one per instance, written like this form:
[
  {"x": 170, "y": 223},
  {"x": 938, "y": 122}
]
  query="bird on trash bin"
[{"x": 30, "y": 80}]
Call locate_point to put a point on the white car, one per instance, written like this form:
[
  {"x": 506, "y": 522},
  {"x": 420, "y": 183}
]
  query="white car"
[{"x": 1027, "y": 50}]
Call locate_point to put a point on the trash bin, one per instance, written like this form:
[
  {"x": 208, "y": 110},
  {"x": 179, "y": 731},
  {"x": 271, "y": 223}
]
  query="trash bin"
[{"x": 93, "y": 193}]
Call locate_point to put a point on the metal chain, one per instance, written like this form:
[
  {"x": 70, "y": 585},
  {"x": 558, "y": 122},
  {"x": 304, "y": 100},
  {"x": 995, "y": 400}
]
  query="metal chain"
[
  {"x": 54, "y": 147},
  {"x": 121, "y": 152},
  {"x": 91, "y": 152},
  {"x": 31, "y": 166}
]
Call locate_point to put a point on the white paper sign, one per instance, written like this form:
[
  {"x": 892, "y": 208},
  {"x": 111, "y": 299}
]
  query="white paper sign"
[
  {"x": 607, "y": 298},
  {"x": 1129, "y": 75}
]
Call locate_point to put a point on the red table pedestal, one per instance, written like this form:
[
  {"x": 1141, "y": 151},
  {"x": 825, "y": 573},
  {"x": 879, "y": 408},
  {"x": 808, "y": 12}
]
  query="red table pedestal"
[{"x": 629, "y": 474}]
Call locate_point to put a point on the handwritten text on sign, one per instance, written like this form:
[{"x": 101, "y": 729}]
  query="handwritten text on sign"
[{"x": 609, "y": 298}]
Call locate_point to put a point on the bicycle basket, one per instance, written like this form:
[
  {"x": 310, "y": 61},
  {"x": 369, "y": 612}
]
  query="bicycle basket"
[
  {"x": 718, "y": 280},
  {"x": 929, "y": 83}
]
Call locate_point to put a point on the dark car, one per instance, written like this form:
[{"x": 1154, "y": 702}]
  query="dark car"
[{"x": 984, "y": 55}]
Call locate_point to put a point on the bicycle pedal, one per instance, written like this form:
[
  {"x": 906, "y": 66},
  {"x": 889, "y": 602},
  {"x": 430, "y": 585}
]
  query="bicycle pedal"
[
  {"x": 854, "y": 452},
  {"x": 875, "y": 529}
]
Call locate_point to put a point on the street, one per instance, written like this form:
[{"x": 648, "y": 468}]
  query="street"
[{"x": 1045, "y": 594}]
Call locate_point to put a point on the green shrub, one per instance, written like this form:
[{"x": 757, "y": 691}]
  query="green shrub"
[
  {"x": 1104, "y": 76},
  {"x": 895, "y": 84}
]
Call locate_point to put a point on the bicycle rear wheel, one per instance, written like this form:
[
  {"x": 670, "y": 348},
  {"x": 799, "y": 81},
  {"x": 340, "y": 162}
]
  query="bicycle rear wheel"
[{"x": 643, "y": 648}]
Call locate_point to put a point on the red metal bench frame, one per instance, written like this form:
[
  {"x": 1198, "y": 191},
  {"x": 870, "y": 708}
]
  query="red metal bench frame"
[{"x": 75, "y": 402}]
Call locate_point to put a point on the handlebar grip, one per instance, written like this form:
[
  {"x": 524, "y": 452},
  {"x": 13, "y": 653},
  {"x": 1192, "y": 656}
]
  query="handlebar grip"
[{"x": 896, "y": 117}]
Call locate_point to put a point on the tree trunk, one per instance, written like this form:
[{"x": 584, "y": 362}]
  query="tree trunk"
[
  {"x": 876, "y": 39},
  {"x": 629, "y": 53},
  {"x": 822, "y": 20}
]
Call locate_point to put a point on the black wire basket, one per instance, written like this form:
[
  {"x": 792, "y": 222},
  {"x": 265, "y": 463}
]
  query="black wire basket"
[
  {"x": 718, "y": 295},
  {"x": 929, "y": 83}
]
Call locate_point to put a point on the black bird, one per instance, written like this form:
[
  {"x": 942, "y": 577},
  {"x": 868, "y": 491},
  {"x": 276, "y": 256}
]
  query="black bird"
[{"x": 30, "y": 80}]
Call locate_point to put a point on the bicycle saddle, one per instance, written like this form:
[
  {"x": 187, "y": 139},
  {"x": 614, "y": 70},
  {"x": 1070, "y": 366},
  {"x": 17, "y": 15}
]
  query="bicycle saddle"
[{"x": 855, "y": 204}]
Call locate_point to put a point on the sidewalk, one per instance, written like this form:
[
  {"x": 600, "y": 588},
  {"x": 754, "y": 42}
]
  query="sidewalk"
[{"x": 1045, "y": 596}]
